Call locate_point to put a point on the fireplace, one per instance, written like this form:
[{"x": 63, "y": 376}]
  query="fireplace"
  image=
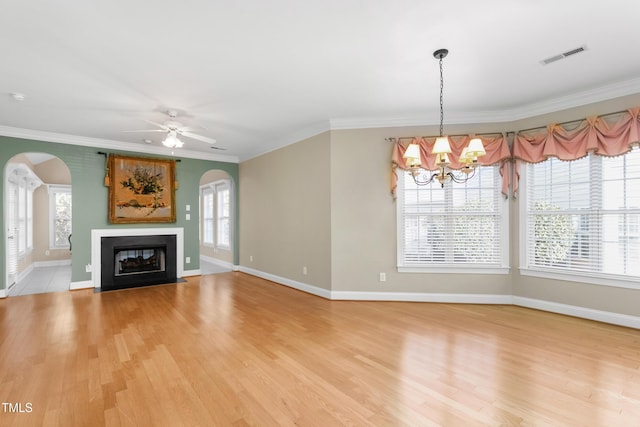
[
  {"x": 133, "y": 261},
  {"x": 139, "y": 234}
]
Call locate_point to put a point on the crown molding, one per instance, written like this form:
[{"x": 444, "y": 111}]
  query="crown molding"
[
  {"x": 464, "y": 117},
  {"x": 108, "y": 144},
  {"x": 293, "y": 137},
  {"x": 578, "y": 99}
]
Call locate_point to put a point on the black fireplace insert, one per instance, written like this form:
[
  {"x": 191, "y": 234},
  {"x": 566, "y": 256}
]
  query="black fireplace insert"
[{"x": 133, "y": 261}]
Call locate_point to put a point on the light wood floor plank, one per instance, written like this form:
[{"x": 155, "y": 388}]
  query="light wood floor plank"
[{"x": 234, "y": 350}]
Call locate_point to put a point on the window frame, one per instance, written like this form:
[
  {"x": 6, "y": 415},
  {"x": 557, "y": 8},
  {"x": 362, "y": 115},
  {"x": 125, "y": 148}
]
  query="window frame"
[
  {"x": 22, "y": 216},
  {"x": 567, "y": 274},
  {"x": 205, "y": 192},
  {"x": 451, "y": 267},
  {"x": 220, "y": 188},
  {"x": 54, "y": 189},
  {"x": 23, "y": 181},
  {"x": 215, "y": 188}
]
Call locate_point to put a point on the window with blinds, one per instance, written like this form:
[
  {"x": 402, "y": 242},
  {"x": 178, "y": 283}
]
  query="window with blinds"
[
  {"x": 459, "y": 228},
  {"x": 60, "y": 220},
  {"x": 582, "y": 217},
  {"x": 222, "y": 214},
  {"x": 207, "y": 215},
  {"x": 216, "y": 214}
]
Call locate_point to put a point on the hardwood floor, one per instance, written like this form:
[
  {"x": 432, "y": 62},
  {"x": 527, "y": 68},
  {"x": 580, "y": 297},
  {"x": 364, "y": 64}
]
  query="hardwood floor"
[{"x": 235, "y": 350}]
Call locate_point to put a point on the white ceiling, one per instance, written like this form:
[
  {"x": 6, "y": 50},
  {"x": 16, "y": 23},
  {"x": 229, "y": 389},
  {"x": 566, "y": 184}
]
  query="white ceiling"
[{"x": 257, "y": 75}]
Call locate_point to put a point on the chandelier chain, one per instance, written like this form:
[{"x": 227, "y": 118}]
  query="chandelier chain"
[
  {"x": 441, "y": 97},
  {"x": 468, "y": 160}
]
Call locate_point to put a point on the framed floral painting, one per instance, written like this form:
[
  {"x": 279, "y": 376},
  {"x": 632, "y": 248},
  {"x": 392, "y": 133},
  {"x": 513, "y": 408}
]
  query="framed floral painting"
[{"x": 141, "y": 190}]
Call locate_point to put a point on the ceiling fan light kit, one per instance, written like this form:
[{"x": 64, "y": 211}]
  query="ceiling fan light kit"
[
  {"x": 172, "y": 140},
  {"x": 174, "y": 129}
]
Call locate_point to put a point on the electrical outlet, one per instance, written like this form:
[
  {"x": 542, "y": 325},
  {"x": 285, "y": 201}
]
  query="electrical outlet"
[
  {"x": 188, "y": 260},
  {"x": 188, "y": 217},
  {"x": 87, "y": 268},
  {"x": 304, "y": 270},
  {"x": 188, "y": 208},
  {"x": 250, "y": 258},
  {"x": 383, "y": 277}
]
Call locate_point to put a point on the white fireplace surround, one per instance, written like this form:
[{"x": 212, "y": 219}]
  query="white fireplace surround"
[{"x": 96, "y": 247}]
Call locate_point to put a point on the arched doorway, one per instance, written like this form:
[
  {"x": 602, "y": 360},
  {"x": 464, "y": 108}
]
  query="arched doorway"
[
  {"x": 37, "y": 212},
  {"x": 217, "y": 207}
]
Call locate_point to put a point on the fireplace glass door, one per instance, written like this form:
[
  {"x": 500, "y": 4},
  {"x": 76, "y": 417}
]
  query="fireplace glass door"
[{"x": 139, "y": 261}]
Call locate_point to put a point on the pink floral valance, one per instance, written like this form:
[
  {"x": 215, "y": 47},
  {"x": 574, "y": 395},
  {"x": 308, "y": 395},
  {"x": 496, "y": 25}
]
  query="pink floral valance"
[
  {"x": 605, "y": 136},
  {"x": 496, "y": 147},
  {"x": 610, "y": 135}
]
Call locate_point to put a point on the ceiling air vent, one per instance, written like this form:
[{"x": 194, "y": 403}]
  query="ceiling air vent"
[{"x": 563, "y": 55}]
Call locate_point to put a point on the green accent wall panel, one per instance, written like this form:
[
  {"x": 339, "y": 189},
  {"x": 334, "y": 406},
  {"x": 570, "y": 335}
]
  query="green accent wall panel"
[{"x": 90, "y": 198}]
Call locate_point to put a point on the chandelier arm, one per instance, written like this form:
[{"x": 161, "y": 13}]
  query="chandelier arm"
[
  {"x": 426, "y": 181},
  {"x": 461, "y": 179},
  {"x": 468, "y": 157}
]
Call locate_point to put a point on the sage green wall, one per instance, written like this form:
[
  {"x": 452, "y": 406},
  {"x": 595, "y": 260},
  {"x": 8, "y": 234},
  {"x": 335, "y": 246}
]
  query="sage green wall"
[
  {"x": 285, "y": 212},
  {"x": 90, "y": 200}
]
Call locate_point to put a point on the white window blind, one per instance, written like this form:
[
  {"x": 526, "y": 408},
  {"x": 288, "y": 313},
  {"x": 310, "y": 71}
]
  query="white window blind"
[
  {"x": 22, "y": 216},
  {"x": 216, "y": 214},
  {"x": 12, "y": 231},
  {"x": 222, "y": 211},
  {"x": 22, "y": 181},
  {"x": 207, "y": 215},
  {"x": 29, "y": 219},
  {"x": 583, "y": 216},
  {"x": 460, "y": 226}
]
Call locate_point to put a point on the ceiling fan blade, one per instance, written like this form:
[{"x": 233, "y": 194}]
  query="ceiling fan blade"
[
  {"x": 161, "y": 126},
  {"x": 198, "y": 137},
  {"x": 190, "y": 129},
  {"x": 218, "y": 148}
]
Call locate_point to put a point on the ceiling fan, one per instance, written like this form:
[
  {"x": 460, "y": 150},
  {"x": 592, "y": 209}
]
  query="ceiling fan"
[{"x": 174, "y": 128}]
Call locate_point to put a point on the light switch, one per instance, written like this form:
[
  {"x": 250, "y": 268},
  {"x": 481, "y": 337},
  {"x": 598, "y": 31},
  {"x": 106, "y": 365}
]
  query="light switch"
[
  {"x": 188, "y": 208},
  {"x": 188, "y": 217}
]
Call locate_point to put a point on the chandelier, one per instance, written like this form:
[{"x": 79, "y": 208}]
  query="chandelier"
[
  {"x": 468, "y": 158},
  {"x": 172, "y": 140}
]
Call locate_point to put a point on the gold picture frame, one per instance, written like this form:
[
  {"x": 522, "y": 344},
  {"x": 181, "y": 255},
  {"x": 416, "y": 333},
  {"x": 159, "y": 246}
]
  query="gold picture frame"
[{"x": 141, "y": 190}]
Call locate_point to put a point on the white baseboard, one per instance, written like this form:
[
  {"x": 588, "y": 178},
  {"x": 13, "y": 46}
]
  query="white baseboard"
[
  {"x": 582, "y": 312},
  {"x": 219, "y": 262},
  {"x": 24, "y": 273},
  {"x": 54, "y": 263},
  {"x": 554, "y": 307},
  {"x": 85, "y": 284},
  {"x": 38, "y": 264},
  {"x": 422, "y": 297},
  {"x": 381, "y": 296},
  {"x": 188, "y": 273},
  {"x": 321, "y": 292}
]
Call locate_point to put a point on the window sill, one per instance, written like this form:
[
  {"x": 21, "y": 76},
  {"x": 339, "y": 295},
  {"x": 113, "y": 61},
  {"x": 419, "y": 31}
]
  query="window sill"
[
  {"x": 587, "y": 278},
  {"x": 454, "y": 269}
]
